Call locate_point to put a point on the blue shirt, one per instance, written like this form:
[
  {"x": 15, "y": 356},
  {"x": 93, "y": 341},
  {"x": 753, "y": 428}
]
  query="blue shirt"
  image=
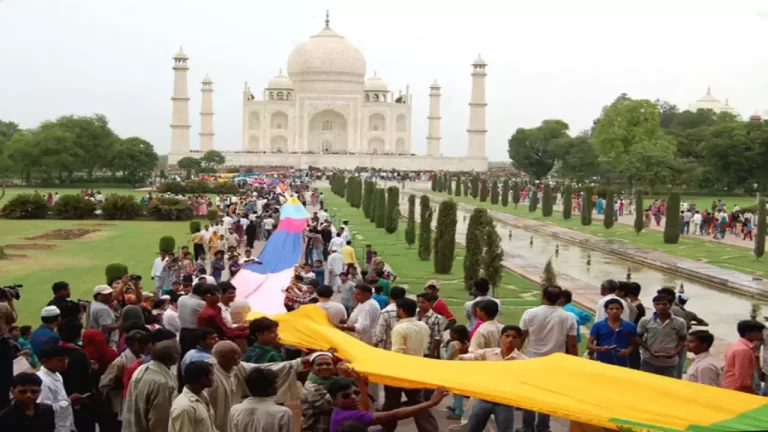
[
  {"x": 319, "y": 274},
  {"x": 382, "y": 300},
  {"x": 620, "y": 338},
  {"x": 582, "y": 318},
  {"x": 43, "y": 336},
  {"x": 197, "y": 354}
]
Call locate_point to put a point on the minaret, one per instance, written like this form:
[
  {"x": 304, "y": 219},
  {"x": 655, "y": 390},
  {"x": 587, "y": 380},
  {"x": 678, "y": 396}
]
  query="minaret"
[
  {"x": 433, "y": 137},
  {"x": 180, "y": 117},
  {"x": 206, "y": 116},
  {"x": 477, "y": 131}
]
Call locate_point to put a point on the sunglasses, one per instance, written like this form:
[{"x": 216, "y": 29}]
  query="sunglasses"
[{"x": 348, "y": 395}]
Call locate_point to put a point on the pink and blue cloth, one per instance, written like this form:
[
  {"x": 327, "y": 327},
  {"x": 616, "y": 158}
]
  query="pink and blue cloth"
[{"x": 262, "y": 285}]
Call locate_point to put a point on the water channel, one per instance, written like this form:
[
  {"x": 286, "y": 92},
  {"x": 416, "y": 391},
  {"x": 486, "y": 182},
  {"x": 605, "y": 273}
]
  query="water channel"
[{"x": 722, "y": 309}]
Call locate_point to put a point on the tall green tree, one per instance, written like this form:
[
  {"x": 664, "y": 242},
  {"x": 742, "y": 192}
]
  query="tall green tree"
[
  {"x": 493, "y": 256},
  {"x": 609, "y": 215},
  {"x": 515, "y": 194},
  {"x": 190, "y": 165},
  {"x": 445, "y": 237},
  {"x": 531, "y": 150},
  {"x": 374, "y": 205},
  {"x": 549, "y": 276},
  {"x": 567, "y": 200},
  {"x": 576, "y": 158},
  {"x": 425, "y": 228},
  {"x": 495, "y": 192},
  {"x": 393, "y": 209},
  {"x": 212, "y": 160},
  {"x": 672, "y": 222},
  {"x": 533, "y": 202},
  {"x": 505, "y": 193},
  {"x": 475, "y": 186},
  {"x": 368, "y": 191},
  {"x": 546, "y": 200},
  {"x": 434, "y": 182},
  {"x": 759, "y": 248},
  {"x": 639, "y": 212},
  {"x": 457, "y": 189},
  {"x": 466, "y": 187},
  {"x": 483, "y": 190},
  {"x": 474, "y": 246},
  {"x": 587, "y": 205},
  {"x": 381, "y": 208},
  {"x": 135, "y": 158},
  {"x": 410, "y": 228},
  {"x": 92, "y": 136},
  {"x": 448, "y": 185}
]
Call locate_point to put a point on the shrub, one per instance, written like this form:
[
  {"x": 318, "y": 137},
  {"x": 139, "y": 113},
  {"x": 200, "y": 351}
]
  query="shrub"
[
  {"x": 495, "y": 192},
  {"x": 515, "y": 194},
  {"x": 393, "y": 209},
  {"x": 368, "y": 189},
  {"x": 26, "y": 206},
  {"x": 381, "y": 208},
  {"x": 425, "y": 228},
  {"x": 434, "y": 182},
  {"x": 374, "y": 204},
  {"x": 194, "y": 227},
  {"x": 445, "y": 237},
  {"x": 197, "y": 187},
  {"x": 586, "y": 206},
  {"x": 459, "y": 183},
  {"x": 493, "y": 256},
  {"x": 115, "y": 270},
  {"x": 473, "y": 246},
  {"x": 172, "y": 187},
  {"x": 567, "y": 201},
  {"x": 212, "y": 215},
  {"x": 549, "y": 277},
  {"x": 466, "y": 188},
  {"x": 225, "y": 188},
  {"x": 74, "y": 206},
  {"x": 167, "y": 244},
  {"x": 609, "y": 215},
  {"x": 505, "y": 193},
  {"x": 533, "y": 201},
  {"x": 546, "y": 201},
  {"x": 759, "y": 249},
  {"x": 3, "y": 255},
  {"x": 483, "y": 190},
  {"x": 672, "y": 223},
  {"x": 170, "y": 209},
  {"x": 475, "y": 186},
  {"x": 410, "y": 228},
  {"x": 639, "y": 212},
  {"x": 120, "y": 207}
]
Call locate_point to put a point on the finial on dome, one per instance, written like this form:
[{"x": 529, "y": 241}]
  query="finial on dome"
[
  {"x": 246, "y": 86},
  {"x": 726, "y": 101},
  {"x": 280, "y": 72},
  {"x": 327, "y": 19},
  {"x": 709, "y": 90},
  {"x": 374, "y": 74}
]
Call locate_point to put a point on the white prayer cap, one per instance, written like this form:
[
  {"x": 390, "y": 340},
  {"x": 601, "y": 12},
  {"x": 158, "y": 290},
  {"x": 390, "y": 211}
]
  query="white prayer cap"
[
  {"x": 50, "y": 311},
  {"x": 315, "y": 355}
]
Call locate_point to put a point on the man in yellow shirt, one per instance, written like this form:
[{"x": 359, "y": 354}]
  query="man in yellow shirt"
[
  {"x": 197, "y": 244},
  {"x": 348, "y": 254}
]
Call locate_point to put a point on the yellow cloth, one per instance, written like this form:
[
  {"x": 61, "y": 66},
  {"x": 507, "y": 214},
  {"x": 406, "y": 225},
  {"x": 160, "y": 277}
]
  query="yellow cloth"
[
  {"x": 561, "y": 385},
  {"x": 348, "y": 254}
]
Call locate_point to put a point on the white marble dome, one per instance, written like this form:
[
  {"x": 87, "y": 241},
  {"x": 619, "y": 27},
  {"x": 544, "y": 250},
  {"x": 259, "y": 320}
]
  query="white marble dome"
[
  {"x": 281, "y": 82},
  {"x": 326, "y": 56},
  {"x": 375, "y": 83}
]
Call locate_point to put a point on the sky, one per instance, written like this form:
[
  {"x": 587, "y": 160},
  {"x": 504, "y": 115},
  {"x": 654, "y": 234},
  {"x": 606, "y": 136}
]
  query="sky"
[{"x": 548, "y": 59}]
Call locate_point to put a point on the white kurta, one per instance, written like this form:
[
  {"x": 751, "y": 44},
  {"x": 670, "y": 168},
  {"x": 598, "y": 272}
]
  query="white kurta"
[{"x": 335, "y": 268}]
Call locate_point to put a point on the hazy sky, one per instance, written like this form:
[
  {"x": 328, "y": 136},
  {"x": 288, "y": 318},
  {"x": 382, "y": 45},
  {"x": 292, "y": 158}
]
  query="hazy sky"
[{"x": 546, "y": 59}]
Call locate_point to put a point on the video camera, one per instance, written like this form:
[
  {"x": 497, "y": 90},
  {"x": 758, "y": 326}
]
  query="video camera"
[{"x": 13, "y": 290}]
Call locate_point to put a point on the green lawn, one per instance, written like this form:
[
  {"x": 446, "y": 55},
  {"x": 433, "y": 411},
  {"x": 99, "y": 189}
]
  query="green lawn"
[
  {"x": 691, "y": 247},
  {"x": 79, "y": 262}
]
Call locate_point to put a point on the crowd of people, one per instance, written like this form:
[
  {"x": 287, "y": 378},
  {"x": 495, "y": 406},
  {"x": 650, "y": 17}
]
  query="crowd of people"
[{"x": 182, "y": 354}]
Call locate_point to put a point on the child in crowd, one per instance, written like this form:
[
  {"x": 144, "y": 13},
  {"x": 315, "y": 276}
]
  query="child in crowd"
[
  {"x": 217, "y": 265},
  {"x": 319, "y": 271},
  {"x": 457, "y": 344}
]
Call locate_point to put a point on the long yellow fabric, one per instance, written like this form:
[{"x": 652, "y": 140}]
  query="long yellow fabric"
[{"x": 561, "y": 385}]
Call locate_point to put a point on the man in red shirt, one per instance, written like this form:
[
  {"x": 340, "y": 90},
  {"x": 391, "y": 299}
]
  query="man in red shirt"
[
  {"x": 210, "y": 316},
  {"x": 439, "y": 307},
  {"x": 740, "y": 360}
]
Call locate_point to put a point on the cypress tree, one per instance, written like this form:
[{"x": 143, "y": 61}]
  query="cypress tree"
[
  {"x": 393, "y": 209},
  {"x": 445, "y": 237},
  {"x": 475, "y": 186},
  {"x": 586, "y": 206},
  {"x": 466, "y": 188},
  {"x": 609, "y": 215},
  {"x": 434, "y": 182},
  {"x": 368, "y": 198},
  {"x": 473, "y": 246},
  {"x": 358, "y": 188},
  {"x": 495, "y": 192},
  {"x": 457, "y": 190},
  {"x": 342, "y": 185},
  {"x": 483, "y": 190},
  {"x": 410, "y": 228},
  {"x": 515, "y": 194},
  {"x": 493, "y": 255},
  {"x": 567, "y": 201},
  {"x": 672, "y": 223},
  {"x": 533, "y": 202},
  {"x": 759, "y": 249},
  {"x": 381, "y": 208},
  {"x": 449, "y": 186},
  {"x": 546, "y": 201},
  {"x": 639, "y": 212},
  {"x": 374, "y": 204},
  {"x": 549, "y": 277},
  {"x": 505, "y": 193},
  {"x": 425, "y": 228}
]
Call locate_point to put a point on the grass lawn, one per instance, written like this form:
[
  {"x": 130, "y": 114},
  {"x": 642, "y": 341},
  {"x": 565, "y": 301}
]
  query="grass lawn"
[
  {"x": 691, "y": 247},
  {"x": 80, "y": 262}
]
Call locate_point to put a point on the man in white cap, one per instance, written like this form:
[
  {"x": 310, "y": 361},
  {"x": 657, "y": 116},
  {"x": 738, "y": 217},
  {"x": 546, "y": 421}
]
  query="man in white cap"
[
  {"x": 335, "y": 268},
  {"x": 100, "y": 316},
  {"x": 46, "y": 334}
]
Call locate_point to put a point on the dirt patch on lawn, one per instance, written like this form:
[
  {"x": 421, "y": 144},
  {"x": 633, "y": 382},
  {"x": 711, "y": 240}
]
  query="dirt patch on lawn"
[
  {"x": 16, "y": 256},
  {"x": 63, "y": 234},
  {"x": 32, "y": 246},
  {"x": 98, "y": 224}
]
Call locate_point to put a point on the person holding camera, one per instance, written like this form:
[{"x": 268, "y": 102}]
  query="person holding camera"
[
  {"x": 68, "y": 308},
  {"x": 7, "y": 312}
]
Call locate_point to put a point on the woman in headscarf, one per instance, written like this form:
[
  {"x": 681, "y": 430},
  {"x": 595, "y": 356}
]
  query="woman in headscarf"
[
  {"x": 133, "y": 319},
  {"x": 98, "y": 351},
  {"x": 316, "y": 404},
  {"x": 250, "y": 234}
]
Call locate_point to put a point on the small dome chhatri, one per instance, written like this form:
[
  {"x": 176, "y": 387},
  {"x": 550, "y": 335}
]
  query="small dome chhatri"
[
  {"x": 375, "y": 83},
  {"x": 180, "y": 55},
  {"x": 280, "y": 81}
]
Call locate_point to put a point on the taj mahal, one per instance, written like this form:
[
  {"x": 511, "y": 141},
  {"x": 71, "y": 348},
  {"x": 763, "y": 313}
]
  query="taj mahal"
[{"x": 324, "y": 112}]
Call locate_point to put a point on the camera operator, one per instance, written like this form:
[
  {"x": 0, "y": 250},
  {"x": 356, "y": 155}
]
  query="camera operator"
[
  {"x": 68, "y": 308},
  {"x": 7, "y": 312}
]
